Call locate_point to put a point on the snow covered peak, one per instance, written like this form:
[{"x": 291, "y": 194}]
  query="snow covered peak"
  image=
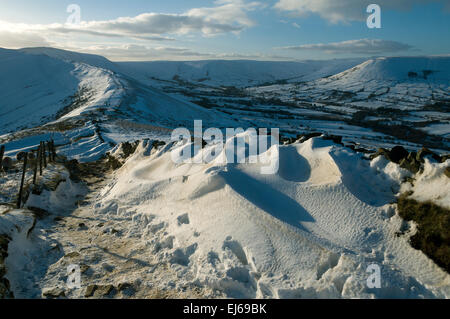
[
  {"x": 70, "y": 56},
  {"x": 402, "y": 69}
]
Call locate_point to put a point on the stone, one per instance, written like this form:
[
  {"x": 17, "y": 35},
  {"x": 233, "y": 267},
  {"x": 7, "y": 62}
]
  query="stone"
[
  {"x": 447, "y": 172},
  {"x": 410, "y": 163},
  {"x": 426, "y": 152},
  {"x": 90, "y": 290},
  {"x": 72, "y": 255},
  {"x": 53, "y": 293},
  {"x": 381, "y": 151},
  {"x": 7, "y": 163},
  {"x": 397, "y": 154},
  {"x": 99, "y": 291}
]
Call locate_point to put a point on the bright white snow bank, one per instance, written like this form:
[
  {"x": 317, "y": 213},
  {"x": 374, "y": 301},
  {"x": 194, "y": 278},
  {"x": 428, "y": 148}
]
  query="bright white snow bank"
[
  {"x": 311, "y": 230},
  {"x": 431, "y": 185}
]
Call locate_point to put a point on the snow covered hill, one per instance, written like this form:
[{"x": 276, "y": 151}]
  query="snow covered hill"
[
  {"x": 44, "y": 85},
  {"x": 213, "y": 230},
  {"x": 32, "y": 88},
  {"x": 235, "y": 73},
  {"x": 400, "y": 69}
]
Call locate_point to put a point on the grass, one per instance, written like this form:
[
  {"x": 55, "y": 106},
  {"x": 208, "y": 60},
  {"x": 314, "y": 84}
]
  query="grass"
[{"x": 433, "y": 234}]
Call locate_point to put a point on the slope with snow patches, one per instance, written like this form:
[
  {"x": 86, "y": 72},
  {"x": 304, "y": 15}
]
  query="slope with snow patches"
[
  {"x": 413, "y": 81},
  {"x": 309, "y": 231},
  {"x": 234, "y": 73},
  {"x": 43, "y": 85}
]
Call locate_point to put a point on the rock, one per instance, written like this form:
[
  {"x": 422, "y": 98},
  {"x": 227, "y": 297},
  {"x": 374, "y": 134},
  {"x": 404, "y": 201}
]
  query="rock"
[
  {"x": 444, "y": 158},
  {"x": 99, "y": 291},
  {"x": 74, "y": 169},
  {"x": 447, "y": 172},
  {"x": 336, "y": 139},
  {"x": 4, "y": 241},
  {"x": 307, "y": 137},
  {"x": 410, "y": 163},
  {"x": 397, "y": 154},
  {"x": 114, "y": 163},
  {"x": 424, "y": 152},
  {"x": 108, "y": 267},
  {"x": 72, "y": 255},
  {"x": 82, "y": 226},
  {"x": 5, "y": 292},
  {"x": 7, "y": 163},
  {"x": 381, "y": 151},
  {"x": 105, "y": 291},
  {"x": 90, "y": 290},
  {"x": 126, "y": 288},
  {"x": 20, "y": 156},
  {"x": 52, "y": 293},
  {"x": 2, "y": 268},
  {"x": 157, "y": 144},
  {"x": 84, "y": 268}
]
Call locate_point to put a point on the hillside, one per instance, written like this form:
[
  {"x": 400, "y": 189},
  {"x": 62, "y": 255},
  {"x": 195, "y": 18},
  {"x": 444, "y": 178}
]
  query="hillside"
[
  {"x": 234, "y": 73},
  {"x": 141, "y": 223}
]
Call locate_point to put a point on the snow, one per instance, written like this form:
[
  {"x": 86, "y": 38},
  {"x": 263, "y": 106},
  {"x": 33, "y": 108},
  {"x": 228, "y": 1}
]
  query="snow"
[
  {"x": 248, "y": 235},
  {"x": 432, "y": 184},
  {"x": 234, "y": 73},
  {"x": 217, "y": 229}
]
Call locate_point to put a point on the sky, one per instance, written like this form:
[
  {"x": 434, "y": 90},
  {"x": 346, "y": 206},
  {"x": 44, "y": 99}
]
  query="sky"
[{"x": 143, "y": 30}]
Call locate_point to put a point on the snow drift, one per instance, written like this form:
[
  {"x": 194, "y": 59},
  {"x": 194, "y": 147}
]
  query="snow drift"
[{"x": 309, "y": 231}]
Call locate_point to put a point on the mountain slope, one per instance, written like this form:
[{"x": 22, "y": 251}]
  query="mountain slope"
[
  {"x": 32, "y": 88},
  {"x": 400, "y": 69},
  {"x": 235, "y": 73}
]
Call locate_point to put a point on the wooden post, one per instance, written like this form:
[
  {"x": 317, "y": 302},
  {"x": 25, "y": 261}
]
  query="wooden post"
[
  {"x": 40, "y": 159},
  {"x": 53, "y": 151},
  {"x": 49, "y": 160},
  {"x": 44, "y": 155},
  {"x": 36, "y": 164},
  {"x": 19, "y": 200},
  {"x": 50, "y": 147},
  {"x": 2, "y": 152}
]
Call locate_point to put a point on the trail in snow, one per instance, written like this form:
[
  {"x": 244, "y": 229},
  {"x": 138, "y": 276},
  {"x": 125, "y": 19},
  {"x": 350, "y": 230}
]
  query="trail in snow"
[{"x": 222, "y": 230}]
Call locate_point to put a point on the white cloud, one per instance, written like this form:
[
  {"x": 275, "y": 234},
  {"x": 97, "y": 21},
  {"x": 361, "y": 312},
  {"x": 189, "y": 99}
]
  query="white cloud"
[
  {"x": 134, "y": 52},
  {"x": 224, "y": 16},
  {"x": 14, "y": 40},
  {"x": 227, "y": 16},
  {"x": 361, "y": 46},
  {"x": 345, "y": 10}
]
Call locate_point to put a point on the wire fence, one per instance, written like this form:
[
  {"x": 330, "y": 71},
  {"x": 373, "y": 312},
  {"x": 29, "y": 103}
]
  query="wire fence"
[{"x": 36, "y": 160}]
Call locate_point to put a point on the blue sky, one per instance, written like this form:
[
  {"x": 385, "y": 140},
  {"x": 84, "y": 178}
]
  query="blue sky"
[{"x": 229, "y": 29}]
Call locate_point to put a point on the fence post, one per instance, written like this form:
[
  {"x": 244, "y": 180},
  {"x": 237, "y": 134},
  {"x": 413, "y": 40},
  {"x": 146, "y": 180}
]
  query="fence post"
[
  {"x": 36, "y": 164},
  {"x": 19, "y": 200},
  {"x": 2, "y": 152},
  {"x": 44, "y": 154},
  {"x": 53, "y": 150},
  {"x": 40, "y": 159}
]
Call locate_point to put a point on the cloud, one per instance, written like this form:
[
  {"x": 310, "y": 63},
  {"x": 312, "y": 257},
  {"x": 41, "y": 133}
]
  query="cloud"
[
  {"x": 346, "y": 10},
  {"x": 19, "y": 40},
  {"x": 225, "y": 17},
  {"x": 362, "y": 46},
  {"x": 135, "y": 52}
]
